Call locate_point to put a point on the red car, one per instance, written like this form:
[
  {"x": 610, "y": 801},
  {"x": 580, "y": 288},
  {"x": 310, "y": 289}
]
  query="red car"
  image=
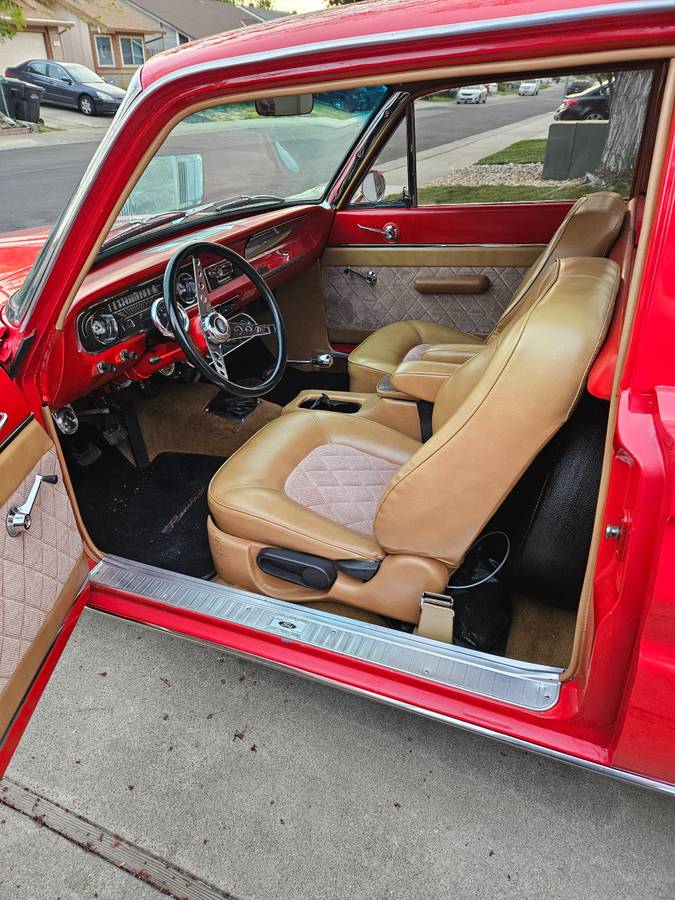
[{"x": 294, "y": 381}]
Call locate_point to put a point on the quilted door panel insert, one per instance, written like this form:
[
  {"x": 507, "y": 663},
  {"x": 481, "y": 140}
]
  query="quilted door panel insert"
[
  {"x": 34, "y": 565},
  {"x": 352, "y": 304}
]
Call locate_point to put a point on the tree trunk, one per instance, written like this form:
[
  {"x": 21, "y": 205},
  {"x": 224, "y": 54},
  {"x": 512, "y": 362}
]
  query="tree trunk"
[{"x": 628, "y": 104}]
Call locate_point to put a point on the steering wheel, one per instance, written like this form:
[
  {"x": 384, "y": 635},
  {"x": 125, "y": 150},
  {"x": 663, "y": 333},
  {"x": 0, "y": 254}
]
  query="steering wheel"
[{"x": 211, "y": 335}]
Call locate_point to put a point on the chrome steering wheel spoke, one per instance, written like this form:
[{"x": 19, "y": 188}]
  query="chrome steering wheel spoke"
[{"x": 201, "y": 287}]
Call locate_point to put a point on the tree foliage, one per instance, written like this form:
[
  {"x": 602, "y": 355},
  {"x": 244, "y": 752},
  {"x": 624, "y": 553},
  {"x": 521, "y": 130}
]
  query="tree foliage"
[{"x": 11, "y": 19}]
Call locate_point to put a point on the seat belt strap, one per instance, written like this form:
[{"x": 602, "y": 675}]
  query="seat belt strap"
[
  {"x": 425, "y": 410},
  {"x": 437, "y": 617}
]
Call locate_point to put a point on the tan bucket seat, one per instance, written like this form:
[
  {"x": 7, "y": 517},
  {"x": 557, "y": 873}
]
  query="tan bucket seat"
[
  {"x": 346, "y": 488},
  {"x": 589, "y": 229}
]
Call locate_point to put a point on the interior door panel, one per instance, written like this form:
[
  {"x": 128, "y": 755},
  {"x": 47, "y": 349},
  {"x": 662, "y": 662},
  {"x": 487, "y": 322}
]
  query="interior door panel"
[
  {"x": 42, "y": 567},
  {"x": 468, "y": 288},
  {"x": 428, "y": 270}
]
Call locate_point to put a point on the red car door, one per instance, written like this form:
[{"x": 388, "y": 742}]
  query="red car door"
[{"x": 43, "y": 568}]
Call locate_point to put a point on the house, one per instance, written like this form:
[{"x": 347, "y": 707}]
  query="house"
[
  {"x": 182, "y": 21},
  {"x": 40, "y": 38},
  {"x": 104, "y": 35}
]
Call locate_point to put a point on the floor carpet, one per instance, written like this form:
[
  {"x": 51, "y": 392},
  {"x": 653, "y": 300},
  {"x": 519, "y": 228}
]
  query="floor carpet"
[{"x": 155, "y": 515}]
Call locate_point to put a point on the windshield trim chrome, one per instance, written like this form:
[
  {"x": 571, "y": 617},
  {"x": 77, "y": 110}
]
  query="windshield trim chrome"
[{"x": 44, "y": 264}]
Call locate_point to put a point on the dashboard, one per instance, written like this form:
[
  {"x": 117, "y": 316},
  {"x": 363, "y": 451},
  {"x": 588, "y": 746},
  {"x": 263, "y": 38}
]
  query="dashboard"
[{"x": 117, "y": 331}]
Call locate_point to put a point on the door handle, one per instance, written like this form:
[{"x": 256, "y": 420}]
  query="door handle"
[
  {"x": 19, "y": 517},
  {"x": 389, "y": 231}
]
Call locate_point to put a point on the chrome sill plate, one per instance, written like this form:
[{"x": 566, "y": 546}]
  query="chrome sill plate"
[{"x": 509, "y": 681}]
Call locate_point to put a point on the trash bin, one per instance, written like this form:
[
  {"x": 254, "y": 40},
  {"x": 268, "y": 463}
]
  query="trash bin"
[
  {"x": 11, "y": 90},
  {"x": 20, "y": 100},
  {"x": 28, "y": 107}
]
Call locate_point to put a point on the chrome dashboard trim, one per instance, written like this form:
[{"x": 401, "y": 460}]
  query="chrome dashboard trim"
[
  {"x": 519, "y": 684},
  {"x": 43, "y": 265}
]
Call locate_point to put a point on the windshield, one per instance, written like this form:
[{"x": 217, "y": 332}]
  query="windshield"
[
  {"x": 238, "y": 156},
  {"x": 83, "y": 74}
]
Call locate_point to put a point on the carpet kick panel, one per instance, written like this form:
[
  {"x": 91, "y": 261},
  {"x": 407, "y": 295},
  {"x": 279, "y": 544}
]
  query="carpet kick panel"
[{"x": 156, "y": 515}]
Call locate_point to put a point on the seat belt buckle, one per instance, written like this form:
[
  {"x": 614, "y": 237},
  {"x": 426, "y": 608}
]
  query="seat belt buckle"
[{"x": 437, "y": 617}]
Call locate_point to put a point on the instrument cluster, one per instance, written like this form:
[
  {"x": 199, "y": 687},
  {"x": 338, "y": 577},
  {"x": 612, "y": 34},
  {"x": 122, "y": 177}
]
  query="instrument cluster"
[{"x": 141, "y": 308}]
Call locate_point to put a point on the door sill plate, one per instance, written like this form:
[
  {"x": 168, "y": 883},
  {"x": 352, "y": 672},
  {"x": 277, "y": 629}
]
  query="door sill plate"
[{"x": 518, "y": 683}]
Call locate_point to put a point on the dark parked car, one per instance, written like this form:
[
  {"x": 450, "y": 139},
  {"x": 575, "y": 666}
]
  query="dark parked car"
[
  {"x": 70, "y": 84},
  {"x": 577, "y": 85},
  {"x": 590, "y": 104}
]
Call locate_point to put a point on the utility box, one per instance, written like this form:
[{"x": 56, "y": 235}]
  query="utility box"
[{"x": 573, "y": 149}]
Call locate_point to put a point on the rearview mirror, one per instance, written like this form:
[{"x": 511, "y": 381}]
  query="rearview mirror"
[
  {"x": 299, "y": 105},
  {"x": 170, "y": 182}
]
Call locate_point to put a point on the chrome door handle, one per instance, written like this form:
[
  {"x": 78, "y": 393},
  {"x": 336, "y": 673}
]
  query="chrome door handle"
[
  {"x": 19, "y": 517},
  {"x": 390, "y": 230}
]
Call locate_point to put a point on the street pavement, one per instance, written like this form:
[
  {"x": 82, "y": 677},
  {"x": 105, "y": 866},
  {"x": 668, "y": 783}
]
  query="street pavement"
[
  {"x": 267, "y": 785},
  {"x": 38, "y": 178}
]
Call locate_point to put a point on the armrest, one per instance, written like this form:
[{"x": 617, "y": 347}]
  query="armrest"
[
  {"x": 451, "y": 354},
  {"x": 453, "y": 284},
  {"x": 421, "y": 379}
]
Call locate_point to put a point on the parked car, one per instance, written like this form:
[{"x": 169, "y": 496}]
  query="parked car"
[
  {"x": 70, "y": 84},
  {"x": 492, "y": 87},
  {"x": 475, "y": 93},
  {"x": 590, "y": 105},
  {"x": 577, "y": 85},
  {"x": 528, "y": 89},
  {"x": 472, "y": 518}
]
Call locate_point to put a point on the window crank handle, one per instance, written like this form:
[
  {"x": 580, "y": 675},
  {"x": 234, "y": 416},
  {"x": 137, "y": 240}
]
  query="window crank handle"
[
  {"x": 369, "y": 276},
  {"x": 19, "y": 517}
]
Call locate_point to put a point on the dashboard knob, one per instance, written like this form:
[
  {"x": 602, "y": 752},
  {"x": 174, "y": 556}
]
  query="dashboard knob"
[{"x": 102, "y": 328}]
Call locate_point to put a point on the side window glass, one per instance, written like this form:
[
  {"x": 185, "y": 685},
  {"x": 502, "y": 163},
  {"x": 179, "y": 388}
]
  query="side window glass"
[
  {"x": 38, "y": 68},
  {"x": 386, "y": 182},
  {"x": 56, "y": 71},
  {"x": 554, "y": 138}
]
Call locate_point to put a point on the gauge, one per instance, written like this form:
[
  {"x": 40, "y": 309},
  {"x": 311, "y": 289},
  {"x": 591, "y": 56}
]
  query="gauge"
[
  {"x": 186, "y": 289},
  {"x": 160, "y": 318}
]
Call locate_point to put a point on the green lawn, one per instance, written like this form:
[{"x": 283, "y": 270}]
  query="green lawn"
[
  {"x": 532, "y": 151},
  {"x": 506, "y": 193},
  {"x": 496, "y": 193}
]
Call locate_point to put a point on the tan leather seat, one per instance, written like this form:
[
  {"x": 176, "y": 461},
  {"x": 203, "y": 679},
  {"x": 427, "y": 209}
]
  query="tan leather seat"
[
  {"x": 343, "y": 487},
  {"x": 589, "y": 229}
]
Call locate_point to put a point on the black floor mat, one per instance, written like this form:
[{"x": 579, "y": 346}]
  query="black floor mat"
[{"x": 155, "y": 515}]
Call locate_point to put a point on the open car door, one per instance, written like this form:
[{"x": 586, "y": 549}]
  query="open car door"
[{"x": 43, "y": 569}]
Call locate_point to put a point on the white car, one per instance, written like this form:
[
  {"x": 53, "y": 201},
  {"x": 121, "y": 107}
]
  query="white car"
[
  {"x": 492, "y": 87},
  {"x": 475, "y": 93},
  {"x": 528, "y": 89}
]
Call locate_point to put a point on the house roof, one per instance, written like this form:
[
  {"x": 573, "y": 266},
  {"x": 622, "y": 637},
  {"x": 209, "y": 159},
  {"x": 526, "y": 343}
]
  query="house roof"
[
  {"x": 35, "y": 13},
  {"x": 110, "y": 15},
  {"x": 198, "y": 18},
  {"x": 263, "y": 15}
]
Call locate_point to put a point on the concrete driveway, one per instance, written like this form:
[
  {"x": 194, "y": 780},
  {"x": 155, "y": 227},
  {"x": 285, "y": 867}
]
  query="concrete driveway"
[{"x": 265, "y": 785}]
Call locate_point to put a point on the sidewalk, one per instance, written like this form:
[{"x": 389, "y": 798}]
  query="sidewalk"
[
  {"x": 438, "y": 161},
  {"x": 267, "y": 785}
]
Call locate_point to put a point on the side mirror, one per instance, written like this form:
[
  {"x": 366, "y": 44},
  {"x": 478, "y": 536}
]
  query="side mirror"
[
  {"x": 373, "y": 186},
  {"x": 298, "y": 105},
  {"x": 173, "y": 181}
]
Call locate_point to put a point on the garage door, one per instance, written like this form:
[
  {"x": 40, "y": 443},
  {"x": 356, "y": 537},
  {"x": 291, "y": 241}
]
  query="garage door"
[{"x": 23, "y": 46}]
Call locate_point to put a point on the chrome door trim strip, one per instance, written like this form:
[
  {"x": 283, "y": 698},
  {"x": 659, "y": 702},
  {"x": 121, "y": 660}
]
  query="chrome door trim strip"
[
  {"x": 42, "y": 267},
  {"x": 643, "y": 781},
  {"x": 517, "y": 683}
]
